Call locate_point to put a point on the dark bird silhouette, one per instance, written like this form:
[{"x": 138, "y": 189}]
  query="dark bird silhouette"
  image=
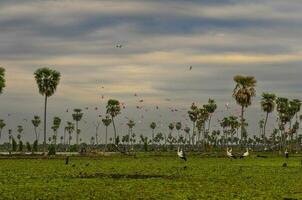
[
  {"x": 259, "y": 156},
  {"x": 284, "y": 165},
  {"x": 67, "y": 160},
  {"x": 191, "y": 67},
  {"x": 119, "y": 46}
]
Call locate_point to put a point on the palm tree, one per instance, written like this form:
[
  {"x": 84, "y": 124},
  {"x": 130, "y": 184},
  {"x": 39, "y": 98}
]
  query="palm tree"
[
  {"x": 193, "y": 114},
  {"x": 130, "y": 125},
  {"x": 106, "y": 121},
  {"x": 55, "y": 127},
  {"x": 210, "y": 108},
  {"x": 153, "y": 127},
  {"x": 178, "y": 127},
  {"x": 268, "y": 105},
  {"x": 113, "y": 109},
  {"x": 47, "y": 81},
  {"x": 187, "y": 130},
  {"x": 2, "y": 79},
  {"x": 69, "y": 128},
  {"x": 243, "y": 93},
  {"x": 19, "y": 130},
  {"x": 77, "y": 116},
  {"x": 36, "y": 122},
  {"x": 2, "y": 125},
  {"x": 261, "y": 127},
  {"x": 171, "y": 127}
]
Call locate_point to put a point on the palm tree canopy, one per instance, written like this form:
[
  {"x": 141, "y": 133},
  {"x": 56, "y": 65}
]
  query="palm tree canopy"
[
  {"x": 171, "y": 126},
  {"x": 153, "y": 125},
  {"x": 244, "y": 90},
  {"x": 2, "y": 79},
  {"x": 193, "y": 113},
  {"x": 36, "y": 121},
  {"x": 20, "y": 129},
  {"x": 2, "y": 124},
  {"x": 131, "y": 124},
  {"x": 211, "y": 106},
  {"x": 268, "y": 102},
  {"x": 113, "y": 107},
  {"x": 187, "y": 129},
  {"x": 70, "y": 127},
  {"x": 106, "y": 121},
  {"x": 77, "y": 116},
  {"x": 178, "y": 126},
  {"x": 47, "y": 81}
]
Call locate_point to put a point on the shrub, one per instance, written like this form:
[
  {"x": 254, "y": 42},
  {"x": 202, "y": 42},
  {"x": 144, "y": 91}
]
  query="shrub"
[
  {"x": 28, "y": 147},
  {"x": 52, "y": 150},
  {"x": 20, "y": 146},
  {"x": 14, "y": 144},
  {"x": 35, "y": 146}
]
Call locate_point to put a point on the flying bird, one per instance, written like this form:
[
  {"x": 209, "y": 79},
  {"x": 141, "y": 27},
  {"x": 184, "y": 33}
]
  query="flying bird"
[{"x": 118, "y": 46}]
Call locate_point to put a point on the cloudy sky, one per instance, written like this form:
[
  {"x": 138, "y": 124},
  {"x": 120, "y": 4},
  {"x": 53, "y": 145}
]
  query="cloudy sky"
[{"x": 160, "y": 39}]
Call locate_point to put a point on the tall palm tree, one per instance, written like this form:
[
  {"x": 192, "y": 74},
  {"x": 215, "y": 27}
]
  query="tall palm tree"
[
  {"x": 268, "y": 103},
  {"x": 178, "y": 127},
  {"x": 106, "y": 121},
  {"x": 187, "y": 130},
  {"x": 47, "y": 81},
  {"x": 113, "y": 109},
  {"x": 210, "y": 108},
  {"x": 56, "y": 125},
  {"x": 193, "y": 114},
  {"x": 2, "y": 79},
  {"x": 243, "y": 93},
  {"x": 19, "y": 130},
  {"x": 153, "y": 127},
  {"x": 130, "y": 125},
  {"x": 69, "y": 129},
  {"x": 36, "y": 123},
  {"x": 171, "y": 127},
  {"x": 2, "y": 125},
  {"x": 77, "y": 116}
]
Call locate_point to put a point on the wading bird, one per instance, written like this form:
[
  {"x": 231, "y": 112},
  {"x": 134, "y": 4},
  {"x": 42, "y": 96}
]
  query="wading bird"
[
  {"x": 181, "y": 154},
  {"x": 229, "y": 153},
  {"x": 286, "y": 153},
  {"x": 246, "y": 154}
]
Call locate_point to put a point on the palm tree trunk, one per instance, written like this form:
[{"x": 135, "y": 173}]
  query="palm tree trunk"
[
  {"x": 96, "y": 135},
  {"x": 106, "y": 139},
  {"x": 45, "y": 110},
  {"x": 114, "y": 141},
  {"x": 36, "y": 133},
  {"x": 153, "y": 138},
  {"x": 209, "y": 125},
  {"x": 242, "y": 124},
  {"x": 77, "y": 132},
  {"x": 264, "y": 129}
]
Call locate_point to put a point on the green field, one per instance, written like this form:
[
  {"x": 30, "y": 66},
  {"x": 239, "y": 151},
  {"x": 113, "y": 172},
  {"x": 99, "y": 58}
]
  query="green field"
[{"x": 149, "y": 176}]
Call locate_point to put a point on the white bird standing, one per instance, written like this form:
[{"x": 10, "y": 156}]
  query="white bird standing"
[
  {"x": 181, "y": 154},
  {"x": 229, "y": 153},
  {"x": 286, "y": 153},
  {"x": 246, "y": 154}
]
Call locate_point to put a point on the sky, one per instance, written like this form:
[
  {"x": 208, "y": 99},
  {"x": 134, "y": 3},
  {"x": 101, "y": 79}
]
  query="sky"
[{"x": 160, "y": 41}]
